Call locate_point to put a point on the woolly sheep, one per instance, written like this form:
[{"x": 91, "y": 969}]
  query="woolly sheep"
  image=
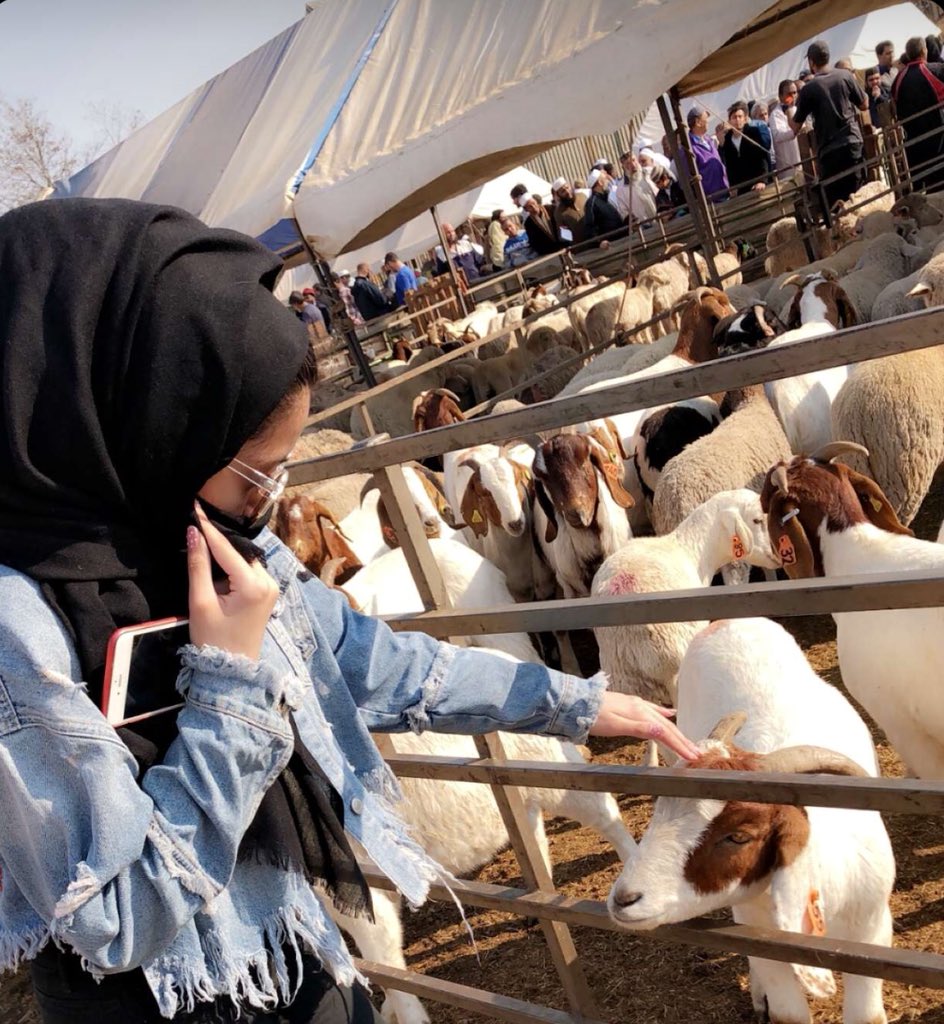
[
  {"x": 928, "y": 288},
  {"x": 777, "y": 866},
  {"x": 645, "y": 659},
  {"x": 556, "y": 360},
  {"x": 894, "y": 407},
  {"x": 743, "y": 295},
  {"x": 736, "y": 454},
  {"x": 579, "y": 310},
  {"x": 619, "y": 362},
  {"x": 886, "y": 259}
]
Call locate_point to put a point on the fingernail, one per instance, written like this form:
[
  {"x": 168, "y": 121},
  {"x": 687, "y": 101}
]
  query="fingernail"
[
  {"x": 198, "y": 508},
  {"x": 193, "y": 538}
]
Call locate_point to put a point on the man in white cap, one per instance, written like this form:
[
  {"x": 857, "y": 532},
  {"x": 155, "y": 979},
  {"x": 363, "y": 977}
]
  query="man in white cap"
[
  {"x": 634, "y": 194},
  {"x": 648, "y": 157},
  {"x": 568, "y": 211}
]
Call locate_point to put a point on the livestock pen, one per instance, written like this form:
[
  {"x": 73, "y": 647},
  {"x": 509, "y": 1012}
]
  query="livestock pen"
[{"x": 537, "y": 898}]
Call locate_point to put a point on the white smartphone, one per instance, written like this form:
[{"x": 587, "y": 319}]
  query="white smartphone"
[{"x": 123, "y": 645}]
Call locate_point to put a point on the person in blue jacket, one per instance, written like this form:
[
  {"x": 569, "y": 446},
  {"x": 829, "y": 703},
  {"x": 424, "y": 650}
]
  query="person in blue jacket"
[{"x": 178, "y": 868}]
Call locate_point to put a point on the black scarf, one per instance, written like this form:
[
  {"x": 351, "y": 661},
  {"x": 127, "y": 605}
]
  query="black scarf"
[{"x": 139, "y": 351}]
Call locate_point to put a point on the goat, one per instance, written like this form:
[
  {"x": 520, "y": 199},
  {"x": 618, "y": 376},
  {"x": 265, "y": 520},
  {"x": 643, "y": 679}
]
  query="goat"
[
  {"x": 825, "y": 519},
  {"x": 578, "y": 522},
  {"x": 817, "y": 870},
  {"x": 313, "y": 535}
]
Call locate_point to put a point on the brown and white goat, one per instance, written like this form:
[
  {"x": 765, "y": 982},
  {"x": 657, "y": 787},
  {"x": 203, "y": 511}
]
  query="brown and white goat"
[
  {"x": 314, "y": 536},
  {"x": 819, "y": 298},
  {"x": 826, "y": 519},
  {"x": 580, "y": 515},
  {"x": 819, "y": 871}
]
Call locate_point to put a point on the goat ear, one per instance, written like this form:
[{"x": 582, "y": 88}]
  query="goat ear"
[
  {"x": 847, "y": 314},
  {"x": 617, "y": 440},
  {"x": 797, "y": 896},
  {"x": 609, "y": 465},
  {"x": 472, "y": 513},
  {"x": 789, "y": 539},
  {"x": 793, "y": 313},
  {"x": 738, "y": 533},
  {"x": 420, "y": 409},
  {"x": 547, "y": 507},
  {"x": 337, "y": 547},
  {"x": 874, "y": 503}
]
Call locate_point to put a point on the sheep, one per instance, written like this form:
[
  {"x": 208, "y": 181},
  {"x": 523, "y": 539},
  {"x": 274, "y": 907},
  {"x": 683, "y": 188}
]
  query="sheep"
[
  {"x": 886, "y": 259},
  {"x": 326, "y": 394},
  {"x": 734, "y": 455},
  {"x": 786, "y": 250},
  {"x": 490, "y": 377},
  {"x": 743, "y": 295},
  {"x": 340, "y": 495},
  {"x": 314, "y": 536},
  {"x": 894, "y": 408},
  {"x": 928, "y": 288},
  {"x": 580, "y": 308},
  {"x": 616, "y": 362},
  {"x": 620, "y": 314},
  {"x": 561, "y": 362},
  {"x": 918, "y": 207},
  {"x": 666, "y": 282},
  {"x": 814, "y": 870},
  {"x": 825, "y": 519},
  {"x": 580, "y": 511},
  {"x": 459, "y": 825},
  {"x": 728, "y": 266},
  {"x": 645, "y": 659}
]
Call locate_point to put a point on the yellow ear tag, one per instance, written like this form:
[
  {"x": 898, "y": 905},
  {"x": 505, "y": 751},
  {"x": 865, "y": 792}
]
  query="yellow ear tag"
[
  {"x": 612, "y": 455},
  {"x": 814, "y": 918},
  {"x": 876, "y": 504},
  {"x": 737, "y": 547},
  {"x": 476, "y": 516}
]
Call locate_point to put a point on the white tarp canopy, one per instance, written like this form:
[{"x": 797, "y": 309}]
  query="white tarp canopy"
[
  {"x": 854, "y": 39},
  {"x": 367, "y": 112},
  {"x": 419, "y": 234}
]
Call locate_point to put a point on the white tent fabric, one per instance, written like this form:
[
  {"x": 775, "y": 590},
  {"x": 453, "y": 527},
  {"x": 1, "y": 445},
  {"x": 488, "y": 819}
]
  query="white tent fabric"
[
  {"x": 854, "y": 39},
  {"x": 367, "y": 112},
  {"x": 419, "y": 234}
]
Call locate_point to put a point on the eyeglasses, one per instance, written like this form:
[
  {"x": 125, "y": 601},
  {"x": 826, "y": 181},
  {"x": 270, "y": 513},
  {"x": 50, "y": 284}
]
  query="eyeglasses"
[{"x": 272, "y": 488}]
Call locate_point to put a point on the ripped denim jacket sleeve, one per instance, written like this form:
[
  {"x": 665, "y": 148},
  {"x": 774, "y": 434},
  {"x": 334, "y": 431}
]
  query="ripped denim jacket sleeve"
[
  {"x": 112, "y": 866},
  {"x": 403, "y": 681}
]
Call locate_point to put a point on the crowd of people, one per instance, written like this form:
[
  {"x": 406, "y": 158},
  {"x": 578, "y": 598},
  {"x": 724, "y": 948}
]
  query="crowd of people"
[{"x": 755, "y": 142}]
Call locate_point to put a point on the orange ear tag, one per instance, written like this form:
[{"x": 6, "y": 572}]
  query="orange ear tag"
[
  {"x": 737, "y": 547},
  {"x": 814, "y": 918},
  {"x": 786, "y": 551}
]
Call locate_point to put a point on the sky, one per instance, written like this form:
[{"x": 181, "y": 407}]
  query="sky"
[{"x": 143, "y": 54}]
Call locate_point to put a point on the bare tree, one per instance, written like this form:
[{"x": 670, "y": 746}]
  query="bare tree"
[
  {"x": 33, "y": 154},
  {"x": 114, "y": 123}
]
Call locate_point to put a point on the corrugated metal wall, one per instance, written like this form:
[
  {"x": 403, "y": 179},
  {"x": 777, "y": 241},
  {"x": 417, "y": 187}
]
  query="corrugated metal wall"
[{"x": 573, "y": 159}]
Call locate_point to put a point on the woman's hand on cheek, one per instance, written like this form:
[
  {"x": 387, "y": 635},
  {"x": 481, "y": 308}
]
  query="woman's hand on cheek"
[
  {"x": 624, "y": 715},
  {"x": 234, "y": 621}
]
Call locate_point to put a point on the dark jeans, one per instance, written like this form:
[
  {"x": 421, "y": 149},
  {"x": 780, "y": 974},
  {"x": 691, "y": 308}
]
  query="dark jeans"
[
  {"x": 66, "y": 994},
  {"x": 835, "y": 162}
]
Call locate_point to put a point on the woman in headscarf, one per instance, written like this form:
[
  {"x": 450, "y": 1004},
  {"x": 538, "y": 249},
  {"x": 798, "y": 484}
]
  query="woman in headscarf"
[{"x": 166, "y": 870}]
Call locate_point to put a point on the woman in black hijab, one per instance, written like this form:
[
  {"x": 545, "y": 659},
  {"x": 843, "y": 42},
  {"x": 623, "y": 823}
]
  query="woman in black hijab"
[{"x": 144, "y": 362}]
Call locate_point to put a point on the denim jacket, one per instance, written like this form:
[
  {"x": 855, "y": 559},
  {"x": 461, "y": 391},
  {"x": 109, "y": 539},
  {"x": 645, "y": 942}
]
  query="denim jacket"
[{"x": 134, "y": 872}]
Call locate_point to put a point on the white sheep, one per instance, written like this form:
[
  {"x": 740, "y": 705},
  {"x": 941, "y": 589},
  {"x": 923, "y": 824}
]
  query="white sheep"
[
  {"x": 894, "y": 407},
  {"x": 620, "y": 312},
  {"x": 619, "y": 362},
  {"x": 813, "y": 870},
  {"x": 886, "y": 259},
  {"x": 459, "y": 825},
  {"x": 341, "y": 494},
  {"x": 580, "y": 308},
  {"x": 826, "y": 519},
  {"x": 735, "y": 454},
  {"x": 645, "y": 659}
]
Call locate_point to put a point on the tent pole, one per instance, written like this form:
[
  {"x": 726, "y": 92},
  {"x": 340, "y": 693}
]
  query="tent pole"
[
  {"x": 323, "y": 272},
  {"x": 690, "y": 183},
  {"x": 453, "y": 273}
]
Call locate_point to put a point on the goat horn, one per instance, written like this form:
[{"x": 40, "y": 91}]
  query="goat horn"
[
  {"x": 805, "y": 760},
  {"x": 828, "y": 452},
  {"x": 796, "y": 279},
  {"x": 329, "y": 571},
  {"x": 448, "y": 394},
  {"x": 779, "y": 479},
  {"x": 728, "y": 727}
]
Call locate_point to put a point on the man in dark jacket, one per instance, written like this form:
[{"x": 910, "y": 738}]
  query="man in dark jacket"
[
  {"x": 538, "y": 222},
  {"x": 367, "y": 296},
  {"x": 745, "y": 154},
  {"x": 600, "y": 215},
  {"x": 918, "y": 92}
]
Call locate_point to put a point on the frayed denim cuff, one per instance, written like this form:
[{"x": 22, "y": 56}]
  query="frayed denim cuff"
[
  {"x": 579, "y": 706},
  {"x": 237, "y": 685}
]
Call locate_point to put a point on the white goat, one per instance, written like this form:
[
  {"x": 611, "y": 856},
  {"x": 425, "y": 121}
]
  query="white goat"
[
  {"x": 822, "y": 871},
  {"x": 825, "y": 519}
]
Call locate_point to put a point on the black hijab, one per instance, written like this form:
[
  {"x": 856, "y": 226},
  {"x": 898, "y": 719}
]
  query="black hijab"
[{"x": 139, "y": 351}]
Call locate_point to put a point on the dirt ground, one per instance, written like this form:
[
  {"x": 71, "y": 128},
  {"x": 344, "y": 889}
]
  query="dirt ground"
[{"x": 640, "y": 980}]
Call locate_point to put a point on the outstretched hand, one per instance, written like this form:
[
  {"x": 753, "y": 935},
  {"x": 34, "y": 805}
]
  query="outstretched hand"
[{"x": 624, "y": 715}]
